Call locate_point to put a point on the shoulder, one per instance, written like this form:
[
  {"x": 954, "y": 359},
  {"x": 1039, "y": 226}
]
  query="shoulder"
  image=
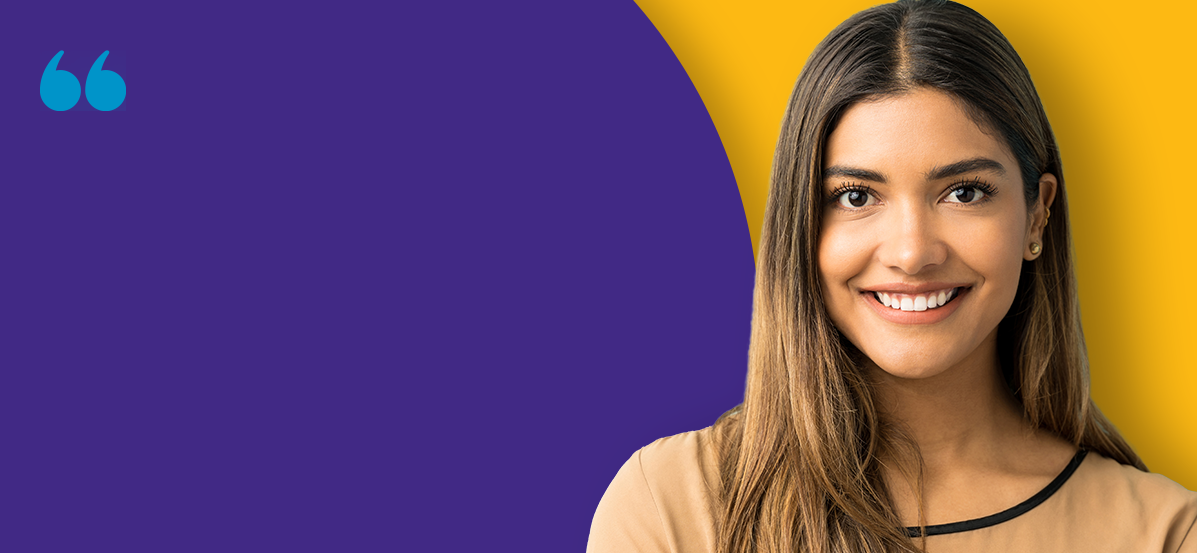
[
  {"x": 661, "y": 498},
  {"x": 687, "y": 454},
  {"x": 1141, "y": 501},
  {"x": 1111, "y": 478}
]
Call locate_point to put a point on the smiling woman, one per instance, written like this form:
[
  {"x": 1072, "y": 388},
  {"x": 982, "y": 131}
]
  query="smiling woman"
[
  {"x": 910, "y": 221},
  {"x": 917, "y": 376}
]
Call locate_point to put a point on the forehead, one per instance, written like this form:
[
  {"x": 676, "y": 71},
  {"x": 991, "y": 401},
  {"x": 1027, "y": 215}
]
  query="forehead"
[{"x": 910, "y": 133}]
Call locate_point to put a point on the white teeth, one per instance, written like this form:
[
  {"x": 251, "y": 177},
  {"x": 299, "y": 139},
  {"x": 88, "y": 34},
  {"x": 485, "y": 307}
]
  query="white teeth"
[{"x": 916, "y": 303}]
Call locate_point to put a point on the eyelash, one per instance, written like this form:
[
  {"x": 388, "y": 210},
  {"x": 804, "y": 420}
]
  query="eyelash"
[
  {"x": 843, "y": 188},
  {"x": 976, "y": 183}
]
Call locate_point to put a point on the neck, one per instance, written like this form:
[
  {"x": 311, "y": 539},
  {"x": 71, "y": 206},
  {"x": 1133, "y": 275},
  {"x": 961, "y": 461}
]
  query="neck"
[
  {"x": 979, "y": 453},
  {"x": 961, "y": 415}
]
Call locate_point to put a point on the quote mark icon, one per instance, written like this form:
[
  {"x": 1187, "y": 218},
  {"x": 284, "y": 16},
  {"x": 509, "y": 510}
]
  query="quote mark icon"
[{"x": 60, "y": 89}]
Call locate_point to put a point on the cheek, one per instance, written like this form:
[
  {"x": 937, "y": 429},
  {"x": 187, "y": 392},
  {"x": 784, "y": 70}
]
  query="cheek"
[
  {"x": 995, "y": 251},
  {"x": 842, "y": 256},
  {"x": 831, "y": 263}
]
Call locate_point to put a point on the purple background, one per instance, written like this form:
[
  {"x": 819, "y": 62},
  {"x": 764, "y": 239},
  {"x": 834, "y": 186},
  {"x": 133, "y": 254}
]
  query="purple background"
[{"x": 354, "y": 278}]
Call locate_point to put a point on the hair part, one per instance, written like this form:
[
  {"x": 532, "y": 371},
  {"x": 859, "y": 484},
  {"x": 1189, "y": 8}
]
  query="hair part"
[{"x": 800, "y": 457}]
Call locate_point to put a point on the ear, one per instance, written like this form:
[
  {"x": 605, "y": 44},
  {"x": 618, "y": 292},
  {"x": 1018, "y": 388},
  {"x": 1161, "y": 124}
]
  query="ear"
[{"x": 1039, "y": 215}]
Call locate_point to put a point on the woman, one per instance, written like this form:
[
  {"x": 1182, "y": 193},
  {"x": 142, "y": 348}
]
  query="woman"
[{"x": 917, "y": 371}]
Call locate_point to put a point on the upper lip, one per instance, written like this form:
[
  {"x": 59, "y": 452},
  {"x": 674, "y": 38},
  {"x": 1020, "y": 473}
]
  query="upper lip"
[{"x": 908, "y": 288}]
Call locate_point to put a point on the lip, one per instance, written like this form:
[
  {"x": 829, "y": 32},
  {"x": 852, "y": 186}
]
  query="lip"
[
  {"x": 904, "y": 288},
  {"x": 930, "y": 316}
]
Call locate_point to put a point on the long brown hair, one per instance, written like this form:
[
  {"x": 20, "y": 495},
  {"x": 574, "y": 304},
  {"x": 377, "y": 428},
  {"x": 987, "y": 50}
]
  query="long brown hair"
[{"x": 799, "y": 458}]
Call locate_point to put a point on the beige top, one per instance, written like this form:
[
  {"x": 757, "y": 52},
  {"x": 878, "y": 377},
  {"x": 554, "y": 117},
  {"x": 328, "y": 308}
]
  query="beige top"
[{"x": 660, "y": 500}]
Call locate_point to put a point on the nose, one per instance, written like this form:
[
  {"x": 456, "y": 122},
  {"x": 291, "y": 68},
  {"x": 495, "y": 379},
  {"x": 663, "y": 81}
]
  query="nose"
[{"x": 912, "y": 239}]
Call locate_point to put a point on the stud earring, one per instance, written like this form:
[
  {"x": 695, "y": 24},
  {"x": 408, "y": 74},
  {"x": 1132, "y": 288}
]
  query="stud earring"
[{"x": 1035, "y": 248}]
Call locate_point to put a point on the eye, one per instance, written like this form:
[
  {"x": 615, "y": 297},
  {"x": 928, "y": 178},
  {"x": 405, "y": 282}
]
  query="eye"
[
  {"x": 855, "y": 198},
  {"x": 972, "y": 192},
  {"x": 965, "y": 195}
]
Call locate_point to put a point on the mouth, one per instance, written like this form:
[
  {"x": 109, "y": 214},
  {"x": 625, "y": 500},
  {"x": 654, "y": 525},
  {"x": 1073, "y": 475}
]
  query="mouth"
[{"x": 926, "y": 301}]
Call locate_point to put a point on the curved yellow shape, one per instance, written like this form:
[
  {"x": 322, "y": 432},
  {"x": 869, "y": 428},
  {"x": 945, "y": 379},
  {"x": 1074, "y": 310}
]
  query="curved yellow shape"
[{"x": 1116, "y": 80}]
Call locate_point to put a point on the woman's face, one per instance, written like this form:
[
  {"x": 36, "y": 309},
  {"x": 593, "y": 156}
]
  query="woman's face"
[{"x": 924, "y": 232}]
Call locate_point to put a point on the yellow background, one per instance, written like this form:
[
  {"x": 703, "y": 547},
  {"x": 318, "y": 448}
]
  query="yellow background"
[{"x": 1116, "y": 79}]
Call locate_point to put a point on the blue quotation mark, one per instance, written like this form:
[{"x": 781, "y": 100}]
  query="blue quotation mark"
[{"x": 60, "y": 89}]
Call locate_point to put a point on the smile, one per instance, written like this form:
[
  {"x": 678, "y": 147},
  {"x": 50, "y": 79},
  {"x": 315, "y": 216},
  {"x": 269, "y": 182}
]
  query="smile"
[
  {"x": 913, "y": 307},
  {"x": 916, "y": 302}
]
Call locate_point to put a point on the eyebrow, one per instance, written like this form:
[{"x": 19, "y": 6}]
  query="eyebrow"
[
  {"x": 841, "y": 171},
  {"x": 936, "y": 173},
  {"x": 967, "y": 166}
]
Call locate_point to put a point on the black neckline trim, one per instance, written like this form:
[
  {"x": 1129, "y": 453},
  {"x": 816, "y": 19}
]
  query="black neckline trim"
[{"x": 998, "y": 518}]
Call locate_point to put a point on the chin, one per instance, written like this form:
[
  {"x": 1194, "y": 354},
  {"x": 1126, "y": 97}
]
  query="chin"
[
  {"x": 909, "y": 367},
  {"x": 912, "y": 372}
]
